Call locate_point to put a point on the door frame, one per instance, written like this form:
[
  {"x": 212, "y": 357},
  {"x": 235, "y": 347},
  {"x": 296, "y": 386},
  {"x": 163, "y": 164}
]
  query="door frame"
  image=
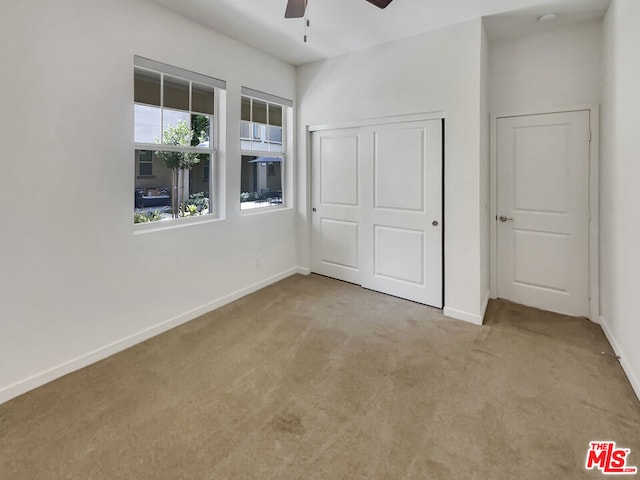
[
  {"x": 594, "y": 199},
  {"x": 370, "y": 122}
]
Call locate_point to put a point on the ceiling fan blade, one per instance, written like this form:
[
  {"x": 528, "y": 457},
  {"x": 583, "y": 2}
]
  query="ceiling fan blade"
[
  {"x": 295, "y": 9},
  {"x": 380, "y": 3}
]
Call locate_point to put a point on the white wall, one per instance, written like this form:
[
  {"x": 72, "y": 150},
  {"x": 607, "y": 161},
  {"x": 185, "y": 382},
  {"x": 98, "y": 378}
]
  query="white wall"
[
  {"x": 619, "y": 192},
  {"x": 438, "y": 70},
  {"x": 557, "y": 69},
  {"x": 75, "y": 282},
  {"x": 485, "y": 173}
]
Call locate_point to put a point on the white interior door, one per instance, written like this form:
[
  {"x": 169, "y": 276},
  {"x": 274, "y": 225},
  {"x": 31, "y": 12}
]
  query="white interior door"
[
  {"x": 402, "y": 217},
  {"x": 336, "y": 216},
  {"x": 377, "y": 208},
  {"x": 543, "y": 211}
]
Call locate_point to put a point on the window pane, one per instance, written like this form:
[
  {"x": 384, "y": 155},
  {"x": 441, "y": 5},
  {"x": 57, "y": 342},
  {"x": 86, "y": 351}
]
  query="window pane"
[
  {"x": 275, "y": 139},
  {"x": 259, "y": 111},
  {"x": 165, "y": 196},
  {"x": 245, "y": 135},
  {"x": 202, "y": 98},
  {"x": 245, "y": 113},
  {"x": 245, "y": 130},
  {"x": 145, "y": 169},
  {"x": 174, "y": 119},
  {"x": 145, "y": 155},
  {"x": 201, "y": 126},
  {"x": 199, "y": 183},
  {"x": 176, "y": 93},
  {"x": 275, "y": 115},
  {"x": 258, "y": 134},
  {"x": 146, "y": 124},
  {"x": 145, "y": 162},
  {"x": 261, "y": 182},
  {"x": 152, "y": 199},
  {"x": 207, "y": 173},
  {"x": 146, "y": 87}
]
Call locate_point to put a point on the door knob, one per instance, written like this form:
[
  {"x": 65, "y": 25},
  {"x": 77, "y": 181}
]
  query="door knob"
[
  {"x": 505, "y": 219},
  {"x": 434, "y": 223},
  {"x": 313, "y": 209}
]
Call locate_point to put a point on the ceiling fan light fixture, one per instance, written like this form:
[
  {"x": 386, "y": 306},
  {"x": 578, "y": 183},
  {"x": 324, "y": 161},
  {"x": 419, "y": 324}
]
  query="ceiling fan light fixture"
[
  {"x": 295, "y": 8},
  {"x": 380, "y": 3}
]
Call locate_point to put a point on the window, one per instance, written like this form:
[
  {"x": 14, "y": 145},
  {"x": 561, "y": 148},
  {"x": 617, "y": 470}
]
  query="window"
[
  {"x": 145, "y": 163},
  {"x": 175, "y": 144},
  {"x": 262, "y": 143}
]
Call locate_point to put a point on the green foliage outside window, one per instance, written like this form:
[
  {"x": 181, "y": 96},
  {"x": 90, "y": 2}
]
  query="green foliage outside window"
[{"x": 178, "y": 162}]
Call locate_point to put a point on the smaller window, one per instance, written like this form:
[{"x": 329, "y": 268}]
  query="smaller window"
[
  {"x": 145, "y": 163},
  {"x": 262, "y": 148}
]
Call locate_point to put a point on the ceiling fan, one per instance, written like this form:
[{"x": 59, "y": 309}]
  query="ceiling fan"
[{"x": 296, "y": 8}]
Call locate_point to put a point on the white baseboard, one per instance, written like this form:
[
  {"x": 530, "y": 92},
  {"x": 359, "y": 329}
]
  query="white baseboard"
[
  {"x": 485, "y": 303},
  {"x": 46, "y": 376},
  {"x": 303, "y": 270},
  {"x": 631, "y": 375},
  {"x": 462, "y": 315},
  {"x": 469, "y": 317}
]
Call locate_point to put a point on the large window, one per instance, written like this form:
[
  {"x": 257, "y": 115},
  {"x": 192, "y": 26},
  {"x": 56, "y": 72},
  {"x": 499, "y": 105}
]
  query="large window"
[
  {"x": 175, "y": 144},
  {"x": 263, "y": 146}
]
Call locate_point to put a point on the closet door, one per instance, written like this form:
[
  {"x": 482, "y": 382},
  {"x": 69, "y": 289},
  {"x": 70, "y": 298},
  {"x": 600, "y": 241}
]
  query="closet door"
[
  {"x": 402, "y": 211},
  {"x": 377, "y": 208},
  {"x": 336, "y": 212}
]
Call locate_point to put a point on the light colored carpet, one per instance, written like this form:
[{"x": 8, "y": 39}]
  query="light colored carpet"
[{"x": 312, "y": 378}]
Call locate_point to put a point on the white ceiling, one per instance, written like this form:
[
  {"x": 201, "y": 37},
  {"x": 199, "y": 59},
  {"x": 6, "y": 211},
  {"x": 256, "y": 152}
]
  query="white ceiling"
[
  {"x": 522, "y": 22},
  {"x": 342, "y": 26}
]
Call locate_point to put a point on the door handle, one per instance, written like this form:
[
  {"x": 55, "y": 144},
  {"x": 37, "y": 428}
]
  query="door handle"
[{"x": 505, "y": 219}]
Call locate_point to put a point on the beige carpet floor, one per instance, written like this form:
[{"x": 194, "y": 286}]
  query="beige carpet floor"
[{"x": 312, "y": 378}]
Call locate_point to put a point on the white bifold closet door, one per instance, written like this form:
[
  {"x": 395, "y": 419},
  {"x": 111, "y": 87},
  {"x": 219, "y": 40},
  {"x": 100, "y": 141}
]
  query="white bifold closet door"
[{"x": 377, "y": 208}]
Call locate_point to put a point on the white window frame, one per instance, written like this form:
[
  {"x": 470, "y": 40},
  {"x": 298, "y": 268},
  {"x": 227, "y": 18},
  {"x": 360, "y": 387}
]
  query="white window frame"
[
  {"x": 285, "y": 105},
  {"x": 215, "y": 196}
]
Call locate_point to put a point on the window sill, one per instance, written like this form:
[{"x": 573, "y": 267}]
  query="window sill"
[
  {"x": 257, "y": 211},
  {"x": 151, "y": 227}
]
